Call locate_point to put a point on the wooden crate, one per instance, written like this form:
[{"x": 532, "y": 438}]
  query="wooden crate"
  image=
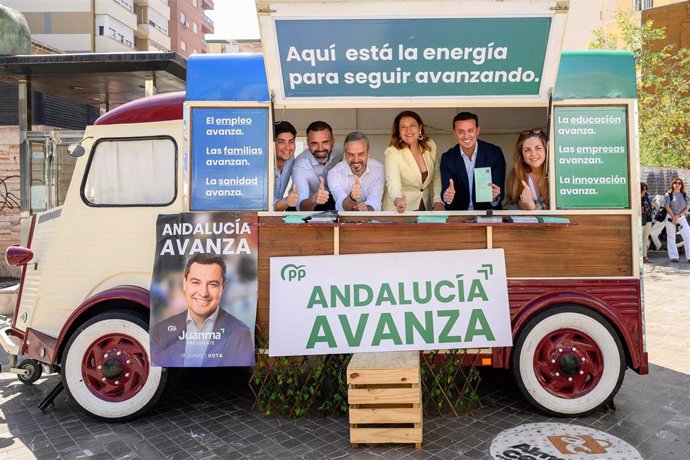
[{"x": 384, "y": 394}]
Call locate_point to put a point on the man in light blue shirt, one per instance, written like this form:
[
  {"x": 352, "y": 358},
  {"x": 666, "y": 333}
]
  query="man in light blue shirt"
[
  {"x": 284, "y": 137},
  {"x": 310, "y": 170},
  {"x": 357, "y": 183}
]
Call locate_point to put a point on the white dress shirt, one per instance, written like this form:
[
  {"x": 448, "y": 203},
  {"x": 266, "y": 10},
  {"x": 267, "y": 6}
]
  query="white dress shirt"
[
  {"x": 341, "y": 179},
  {"x": 469, "y": 167}
]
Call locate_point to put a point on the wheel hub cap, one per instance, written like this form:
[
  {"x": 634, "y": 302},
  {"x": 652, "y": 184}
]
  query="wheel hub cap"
[
  {"x": 568, "y": 363},
  {"x": 112, "y": 368},
  {"x": 115, "y": 367}
]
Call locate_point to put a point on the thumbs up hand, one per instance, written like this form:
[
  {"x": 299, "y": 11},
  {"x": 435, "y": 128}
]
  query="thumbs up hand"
[
  {"x": 356, "y": 193},
  {"x": 321, "y": 196},
  {"x": 449, "y": 194},
  {"x": 293, "y": 197},
  {"x": 526, "y": 195},
  {"x": 400, "y": 203}
]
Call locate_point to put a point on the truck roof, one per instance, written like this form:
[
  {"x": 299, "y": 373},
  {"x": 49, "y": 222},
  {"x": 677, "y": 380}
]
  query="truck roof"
[{"x": 160, "y": 107}]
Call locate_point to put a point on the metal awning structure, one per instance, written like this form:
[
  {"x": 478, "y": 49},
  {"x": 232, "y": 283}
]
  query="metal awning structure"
[
  {"x": 103, "y": 79},
  {"x": 106, "y": 80}
]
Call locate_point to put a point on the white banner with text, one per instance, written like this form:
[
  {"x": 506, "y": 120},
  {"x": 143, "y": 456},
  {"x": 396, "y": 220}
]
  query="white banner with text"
[{"x": 388, "y": 302}]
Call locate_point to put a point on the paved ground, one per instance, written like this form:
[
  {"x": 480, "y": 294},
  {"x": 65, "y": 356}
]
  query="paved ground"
[{"x": 204, "y": 416}]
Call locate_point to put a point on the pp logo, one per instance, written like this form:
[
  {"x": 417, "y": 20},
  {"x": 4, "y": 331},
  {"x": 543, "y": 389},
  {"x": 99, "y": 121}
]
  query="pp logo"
[
  {"x": 172, "y": 328},
  {"x": 292, "y": 272}
]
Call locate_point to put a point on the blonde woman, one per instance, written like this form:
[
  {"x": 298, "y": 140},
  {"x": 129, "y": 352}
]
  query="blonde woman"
[
  {"x": 413, "y": 179},
  {"x": 528, "y": 186}
]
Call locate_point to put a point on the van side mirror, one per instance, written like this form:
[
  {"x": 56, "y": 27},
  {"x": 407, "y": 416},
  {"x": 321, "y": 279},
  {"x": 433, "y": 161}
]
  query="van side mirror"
[{"x": 75, "y": 150}]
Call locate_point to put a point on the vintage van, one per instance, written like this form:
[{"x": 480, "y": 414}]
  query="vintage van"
[{"x": 573, "y": 278}]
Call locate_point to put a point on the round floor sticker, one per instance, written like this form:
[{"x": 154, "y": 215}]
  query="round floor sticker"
[{"x": 559, "y": 441}]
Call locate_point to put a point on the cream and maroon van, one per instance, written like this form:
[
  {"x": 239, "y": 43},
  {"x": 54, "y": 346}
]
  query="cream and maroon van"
[{"x": 573, "y": 277}]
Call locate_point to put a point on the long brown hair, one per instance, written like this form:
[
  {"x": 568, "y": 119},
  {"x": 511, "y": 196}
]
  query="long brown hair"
[
  {"x": 396, "y": 140},
  {"x": 682, "y": 186},
  {"x": 521, "y": 169}
]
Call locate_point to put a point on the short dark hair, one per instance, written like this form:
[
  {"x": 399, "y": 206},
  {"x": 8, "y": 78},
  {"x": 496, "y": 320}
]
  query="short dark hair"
[
  {"x": 319, "y": 126},
  {"x": 206, "y": 259},
  {"x": 283, "y": 127},
  {"x": 643, "y": 186},
  {"x": 357, "y": 136},
  {"x": 462, "y": 116}
]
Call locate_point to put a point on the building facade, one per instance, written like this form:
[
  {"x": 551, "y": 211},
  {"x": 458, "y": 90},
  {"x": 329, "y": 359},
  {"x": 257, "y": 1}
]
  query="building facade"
[
  {"x": 188, "y": 26},
  {"x": 101, "y": 26}
]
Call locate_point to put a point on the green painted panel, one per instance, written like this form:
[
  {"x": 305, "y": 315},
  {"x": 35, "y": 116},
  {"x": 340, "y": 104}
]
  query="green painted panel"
[{"x": 596, "y": 75}]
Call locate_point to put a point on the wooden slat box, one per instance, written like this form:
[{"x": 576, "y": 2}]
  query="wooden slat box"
[{"x": 384, "y": 394}]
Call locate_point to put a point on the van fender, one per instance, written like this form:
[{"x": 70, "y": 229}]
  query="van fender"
[
  {"x": 96, "y": 304},
  {"x": 502, "y": 356}
]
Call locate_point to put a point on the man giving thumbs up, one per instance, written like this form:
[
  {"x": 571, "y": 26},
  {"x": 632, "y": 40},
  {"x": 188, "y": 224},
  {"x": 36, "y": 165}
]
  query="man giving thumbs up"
[{"x": 357, "y": 183}]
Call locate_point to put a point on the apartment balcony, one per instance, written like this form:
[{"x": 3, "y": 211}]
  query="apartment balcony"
[
  {"x": 107, "y": 44},
  {"x": 207, "y": 25},
  {"x": 152, "y": 33},
  {"x": 207, "y": 5},
  {"x": 160, "y": 6},
  {"x": 117, "y": 11}
]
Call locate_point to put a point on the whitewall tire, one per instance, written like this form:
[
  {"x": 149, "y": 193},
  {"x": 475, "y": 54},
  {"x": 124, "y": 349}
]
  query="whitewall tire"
[
  {"x": 568, "y": 361},
  {"x": 106, "y": 367}
]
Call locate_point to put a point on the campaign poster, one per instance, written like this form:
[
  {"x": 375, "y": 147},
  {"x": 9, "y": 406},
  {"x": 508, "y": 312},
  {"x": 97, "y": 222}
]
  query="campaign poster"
[
  {"x": 204, "y": 289},
  {"x": 229, "y": 159}
]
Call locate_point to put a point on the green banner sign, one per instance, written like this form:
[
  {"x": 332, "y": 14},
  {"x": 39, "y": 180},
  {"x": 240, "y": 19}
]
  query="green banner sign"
[
  {"x": 412, "y": 57},
  {"x": 591, "y": 155}
]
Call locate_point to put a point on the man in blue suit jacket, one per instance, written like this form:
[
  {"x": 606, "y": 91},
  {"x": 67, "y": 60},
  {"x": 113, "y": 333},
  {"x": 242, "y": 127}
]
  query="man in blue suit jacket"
[
  {"x": 204, "y": 334},
  {"x": 458, "y": 163}
]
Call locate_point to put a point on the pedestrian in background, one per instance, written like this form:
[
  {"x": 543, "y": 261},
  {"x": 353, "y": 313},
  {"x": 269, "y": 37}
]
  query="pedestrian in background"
[
  {"x": 676, "y": 203},
  {"x": 646, "y": 210}
]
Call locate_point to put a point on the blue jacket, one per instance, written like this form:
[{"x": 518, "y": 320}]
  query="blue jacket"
[
  {"x": 453, "y": 167},
  {"x": 233, "y": 348}
]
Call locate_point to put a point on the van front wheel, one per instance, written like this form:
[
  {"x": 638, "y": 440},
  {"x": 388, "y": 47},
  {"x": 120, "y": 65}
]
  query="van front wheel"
[
  {"x": 106, "y": 367},
  {"x": 568, "y": 361}
]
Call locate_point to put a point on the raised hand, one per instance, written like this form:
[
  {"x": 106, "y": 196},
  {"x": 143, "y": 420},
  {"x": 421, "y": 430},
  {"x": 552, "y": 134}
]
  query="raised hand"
[
  {"x": 525, "y": 195},
  {"x": 356, "y": 193},
  {"x": 495, "y": 191},
  {"x": 293, "y": 197},
  {"x": 400, "y": 203},
  {"x": 449, "y": 194},
  {"x": 321, "y": 196}
]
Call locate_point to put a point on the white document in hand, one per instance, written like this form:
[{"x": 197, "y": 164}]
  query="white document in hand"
[{"x": 482, "y": 185}]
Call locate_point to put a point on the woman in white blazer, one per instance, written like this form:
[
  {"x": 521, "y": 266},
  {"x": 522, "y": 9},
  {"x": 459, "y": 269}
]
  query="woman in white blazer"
[{"x": 413, "y": 177}]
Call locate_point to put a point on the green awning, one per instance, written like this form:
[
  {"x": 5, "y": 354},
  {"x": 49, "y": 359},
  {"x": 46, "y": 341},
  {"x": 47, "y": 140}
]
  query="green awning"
[{"x": 596, "y": 75}]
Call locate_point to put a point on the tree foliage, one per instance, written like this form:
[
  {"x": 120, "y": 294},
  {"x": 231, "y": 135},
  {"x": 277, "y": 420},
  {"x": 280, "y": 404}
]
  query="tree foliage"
[{"x": 663, "y": 85}]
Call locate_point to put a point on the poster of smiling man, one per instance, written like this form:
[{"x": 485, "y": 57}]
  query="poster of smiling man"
[{"x": 204, "y": 290}]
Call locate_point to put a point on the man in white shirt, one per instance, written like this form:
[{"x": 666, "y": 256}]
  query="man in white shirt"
[
  {"x": 357, "y": 183},
  {"x": 310, "y": 170}
]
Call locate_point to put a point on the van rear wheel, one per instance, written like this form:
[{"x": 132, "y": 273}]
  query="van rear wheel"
[
  {"x": 568, "y": 361},
  {"x": 107, "y": 370}
]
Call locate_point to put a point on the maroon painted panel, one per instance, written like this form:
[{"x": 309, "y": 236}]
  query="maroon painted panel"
[
  {"x": 34, "y": 342},
  {"x": 135, "y": 294},
  {"x": 618, "y": 300},
  {"x": 161, "y": 107}
]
